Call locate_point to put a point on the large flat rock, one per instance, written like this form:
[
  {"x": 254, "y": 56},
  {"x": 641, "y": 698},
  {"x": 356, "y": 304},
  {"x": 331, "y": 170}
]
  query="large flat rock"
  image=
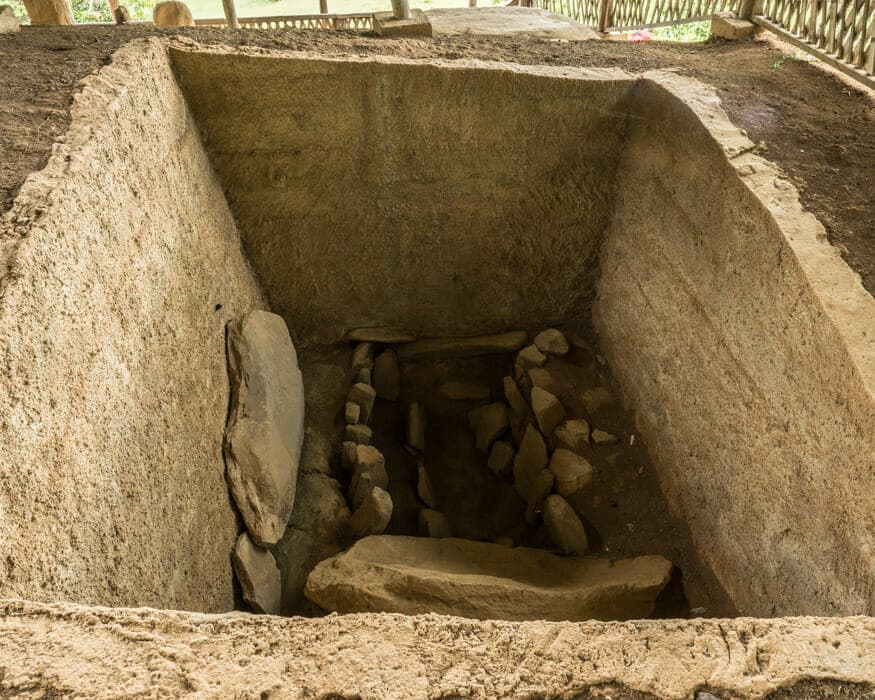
[
  {"x": 472, "y": 346},
  {"x": 480, "y": 580},
  {"x": 265, "y": 425}
]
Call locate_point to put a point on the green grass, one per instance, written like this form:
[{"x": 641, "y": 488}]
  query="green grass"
[{"x": 689, "y": 32}]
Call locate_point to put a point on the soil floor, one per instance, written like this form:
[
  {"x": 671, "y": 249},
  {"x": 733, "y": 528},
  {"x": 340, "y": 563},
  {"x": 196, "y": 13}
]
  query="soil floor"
[{"x": 817, "y": 128}]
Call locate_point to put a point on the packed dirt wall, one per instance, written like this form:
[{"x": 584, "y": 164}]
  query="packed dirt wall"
[
  {"x": 121, "y": 265},
  {"x": 747, "y": 347}
]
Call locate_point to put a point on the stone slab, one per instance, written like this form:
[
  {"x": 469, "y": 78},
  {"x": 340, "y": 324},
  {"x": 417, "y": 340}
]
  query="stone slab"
[
  {"x": 417, "y": 25},
  {"x": 442, "y": 348},
  {"x": 732, "y": 28},
  {"x": 415, "y": 575}
]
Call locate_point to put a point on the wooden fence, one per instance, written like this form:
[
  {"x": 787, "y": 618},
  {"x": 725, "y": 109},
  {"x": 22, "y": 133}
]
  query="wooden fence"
[
  {"x": 608, "y": 15},
  {"x": 843, "y": 30},
  {"x": 839, "y": 32},
  {"x": 358, "y": 20}
]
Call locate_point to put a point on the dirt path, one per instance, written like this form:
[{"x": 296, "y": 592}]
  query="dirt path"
[{"x": 817, "y": 129}]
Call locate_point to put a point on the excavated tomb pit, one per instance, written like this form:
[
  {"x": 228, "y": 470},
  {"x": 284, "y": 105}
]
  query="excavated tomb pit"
[{"x": 447, "y": 199}]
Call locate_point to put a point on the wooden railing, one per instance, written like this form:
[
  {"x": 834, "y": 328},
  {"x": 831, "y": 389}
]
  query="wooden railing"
[
  {"x": 843, "y": 30},
  {"x": 609, "y": 15},
  {"x": 358, "y": 20}
]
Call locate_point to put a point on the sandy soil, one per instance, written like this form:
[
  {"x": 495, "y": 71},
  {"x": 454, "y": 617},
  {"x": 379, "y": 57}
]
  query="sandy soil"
[{"x": 818, "y": 129}]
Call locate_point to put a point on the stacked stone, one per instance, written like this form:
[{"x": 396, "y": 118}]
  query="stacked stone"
[
  {"x": 543, "y": 453},
  {"x": 368, "y": 496}
]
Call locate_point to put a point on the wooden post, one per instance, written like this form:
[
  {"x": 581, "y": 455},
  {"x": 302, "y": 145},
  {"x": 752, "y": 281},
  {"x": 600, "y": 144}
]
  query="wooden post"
[
  {"x": 49, "y": 12},
  {"x": 230, "y": 14},
  {"x": 746, "y": 9},
  {"x": 401, "y": 9},
  {"x": 113, "y": 6},
  {"x": 472, "y": 3},
  {"x": 603, "y": 15},
  {"x": 323, "y": 7}
]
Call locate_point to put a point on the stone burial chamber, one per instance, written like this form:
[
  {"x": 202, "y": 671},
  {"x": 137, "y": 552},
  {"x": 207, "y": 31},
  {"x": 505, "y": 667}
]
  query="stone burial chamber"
[{"x": 380, "y": 335}]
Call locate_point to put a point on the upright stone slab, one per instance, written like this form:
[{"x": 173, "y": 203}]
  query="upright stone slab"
[{"x": 265, "y": 425}]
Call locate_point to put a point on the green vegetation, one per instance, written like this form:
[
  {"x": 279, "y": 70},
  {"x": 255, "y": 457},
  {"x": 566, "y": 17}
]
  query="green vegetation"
[{"x": 688, "y": 32}]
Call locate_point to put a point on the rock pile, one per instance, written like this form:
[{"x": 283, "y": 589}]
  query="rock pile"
[{"x": 543, "y": 451}]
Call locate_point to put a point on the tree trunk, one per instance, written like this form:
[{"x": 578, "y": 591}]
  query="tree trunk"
[{"x": 49, "y": 11}]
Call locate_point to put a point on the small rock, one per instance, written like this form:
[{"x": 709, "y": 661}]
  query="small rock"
[
  {"x": 416, "y": 426},
  {"x": 518, "y": 428},
  {"x": 381, "y": 334},
  {"x": 542, "y": 485},
  {"x": 363, "y": 356},
  {"x": 540, "y": 489},
  {"x": 540, "y": 377},
  {"x": 529, "y": 462},
  {"x": 347, "y": 454},
  {"x": 572, "y": 435},
  {"x": 552, "y": 342},
  {"x": 359, "y": 434},
  {"x": 501, "y": 457},
  {"x": 703, "y": 695},
  {"x": 515, "y": 398},
  {"x": 579, "y": 342},
  {"x": 600, "y": 437},
  {"x": 572, "y": 472},
  {"x": 352, "y": 413},
  {"x": 548, "y": 410},
  {"x": 488, "y": 423},
  {"x": 8, "y": 21},
  {"x": 364, "y": 376},
  {"x": 563, "y": 526},
  {"x": 259, "y": 576},
  {"x": 464, "y": 391},
  {"x": 359, "y": 489},
  {"x": 433, "y": 524},
  {"x": 387, "y": 375},
  {"x": 530, "y": 356},
  {"x": 370, "y": 460},
  {"x": 594, "y": 399},
  {"x": 424, "y": 488},
  {"x": 373, "y": 515},
  {"x": 364, "y": 395}
]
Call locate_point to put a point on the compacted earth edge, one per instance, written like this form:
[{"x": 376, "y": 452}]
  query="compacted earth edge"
[{"x": 817, "y": 128}]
